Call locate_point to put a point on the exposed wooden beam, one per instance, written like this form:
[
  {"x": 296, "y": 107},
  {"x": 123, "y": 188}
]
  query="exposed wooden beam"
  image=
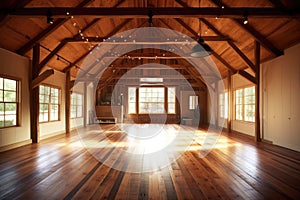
[
  {"x": 38, "y": 80},
  {"x": 260, "y": 38},
  {"x": 51, "y": 54},
  {"x": 8, "y": 4},
  {"x": 243, "y": 56},
  {"x": 69, "y": 67},
  {"x": 95, "y": 63},
  {"x": 225, "y": 63},
  {"x": 252, "y": 31},
  {"x": 257, "y": 91},
  {"x": 57, "y": 23},
  {"x": 144, "y": 41},
  {"x": 247, "y": 76},
  {"x": 188, "y": 28},
  {"x": 34, "y": 96},
  {"x": 171, "y": 12}
]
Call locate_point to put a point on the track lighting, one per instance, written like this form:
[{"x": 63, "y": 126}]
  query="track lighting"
[{"x": 50, "y": 19}]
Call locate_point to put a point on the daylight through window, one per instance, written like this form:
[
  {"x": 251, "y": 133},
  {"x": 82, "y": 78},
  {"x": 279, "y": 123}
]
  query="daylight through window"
[{"x": 8, "y": 102}]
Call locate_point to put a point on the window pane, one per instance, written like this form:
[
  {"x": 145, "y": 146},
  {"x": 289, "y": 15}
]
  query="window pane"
[
  {"x": 193, "y": 102},
  {"x": 79, "y": 111},
  {"x": 10, "y": 96},
  {"x": 1, "y": 108},
  {"x": 43, "y": 107},
  {"x": 10, "y": 84},
  {"x": 1, "y": 120},
  {"x": 171, "y": 108},
  {"x": 1, "y": 95},
  {"x": 10, "y": 108},
  {"x": 1, "y": 83},
  {"x": 151, "y": 100},
  {"x": 54, "y": 112},
  {"x": 10, "y": 120}
]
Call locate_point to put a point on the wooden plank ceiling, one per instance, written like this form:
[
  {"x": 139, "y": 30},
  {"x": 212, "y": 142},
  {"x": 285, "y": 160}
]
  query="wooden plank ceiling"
[{"x": 67, "y": 42}]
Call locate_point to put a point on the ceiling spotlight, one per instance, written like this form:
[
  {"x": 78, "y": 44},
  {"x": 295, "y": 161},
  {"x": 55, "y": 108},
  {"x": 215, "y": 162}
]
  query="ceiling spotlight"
[
  {"x": 245, "y": 19},
  {"x": 50, "y": 19}
]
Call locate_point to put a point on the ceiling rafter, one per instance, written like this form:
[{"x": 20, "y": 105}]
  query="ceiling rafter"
[
  {"x": 188, "y": 28},
  {"x": 64, "y": 41},
  {"x": 113, "y": 32},
  {"x": 6, "y": 5},
  {"x": 51, "y": 54},
  {"x": 69, "y": 67},
  {"x": 243, "y": 56},
  {"x": 171, "y": 12},
  {"x": 237, "y": 50},
  {"x": 153, "y": 40},
  {"x": 252, "y": 31},
  {"x": 57, "y": 23},
  {"x": 216, "y": 55}
]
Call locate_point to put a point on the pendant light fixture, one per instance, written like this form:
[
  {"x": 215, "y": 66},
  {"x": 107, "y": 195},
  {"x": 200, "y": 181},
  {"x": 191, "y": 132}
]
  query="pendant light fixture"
[{"x": 200, "y": 49}]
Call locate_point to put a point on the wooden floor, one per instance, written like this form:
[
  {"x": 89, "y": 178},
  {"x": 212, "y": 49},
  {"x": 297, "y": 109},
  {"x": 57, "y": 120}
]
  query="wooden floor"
[{"x": 236, "y": 168}]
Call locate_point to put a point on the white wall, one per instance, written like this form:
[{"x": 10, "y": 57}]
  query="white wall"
[
  {"x": 281, "y": 99},
  {"x": 15, "y": 66}
]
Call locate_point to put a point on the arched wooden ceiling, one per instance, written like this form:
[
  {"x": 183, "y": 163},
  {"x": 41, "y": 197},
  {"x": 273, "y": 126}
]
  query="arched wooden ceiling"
[{"x": 274, "y": 24}]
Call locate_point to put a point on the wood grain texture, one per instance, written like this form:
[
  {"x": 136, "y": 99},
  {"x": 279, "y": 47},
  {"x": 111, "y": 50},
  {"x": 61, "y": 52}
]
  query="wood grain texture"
[{"x": 236, "y": 168}]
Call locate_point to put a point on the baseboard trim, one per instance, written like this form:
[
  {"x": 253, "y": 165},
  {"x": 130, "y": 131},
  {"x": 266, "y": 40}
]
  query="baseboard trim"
[{"x": 15, "y": 145}]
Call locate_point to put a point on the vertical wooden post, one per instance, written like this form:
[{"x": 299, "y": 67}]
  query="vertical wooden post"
[
  {"x": 84, "y": 104},
  {"x": 34, "y": 96},
  {"x": 68, "y": 101},
  {"x": 230, "y": 101},
  {"x": 257, "y": 91}
]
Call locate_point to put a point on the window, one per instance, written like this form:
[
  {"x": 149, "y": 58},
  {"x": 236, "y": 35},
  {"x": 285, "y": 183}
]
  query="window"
[
  {"x": 9, "y": 99},
  {"x": 49, "y": 103},
  {"x": 76, "y": 105},
  {"x": 131, "y": 100},
  {"x": 249, "y": 104},
  {"x": 152, "y": 100},
  {"x": 245, "y": 104},
  {"x": 171, "y": 100},
  {"x": 223, "y": 104},
  {"x": 193, "y": 102}
]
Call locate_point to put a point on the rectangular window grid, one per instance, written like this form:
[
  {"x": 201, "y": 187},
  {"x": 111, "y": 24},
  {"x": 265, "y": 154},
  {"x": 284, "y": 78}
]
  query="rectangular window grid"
[
  {"x": 49, "y": 103},
  {"x": 8, "y": 102},
  {"x": 76, "y": 105}
]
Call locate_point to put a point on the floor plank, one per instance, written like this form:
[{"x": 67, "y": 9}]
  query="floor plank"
[{"x": 235, "y": 168}]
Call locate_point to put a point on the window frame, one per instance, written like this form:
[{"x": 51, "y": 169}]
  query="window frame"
[
  {"x": 49, "y": 103},
  {"x": 243, "y": 105},
  {"x": 165, "y": 103},
  {"x": 17, "y": 102},
  {"x": 195, "y": 100}
]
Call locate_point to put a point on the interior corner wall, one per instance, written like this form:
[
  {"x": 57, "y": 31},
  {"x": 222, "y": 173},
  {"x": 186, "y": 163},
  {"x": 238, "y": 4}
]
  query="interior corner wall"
[
  {"x": 48, "y": 129},
  {"x": 281, "y": 99},
  {"x": 16, "y": 66}
]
